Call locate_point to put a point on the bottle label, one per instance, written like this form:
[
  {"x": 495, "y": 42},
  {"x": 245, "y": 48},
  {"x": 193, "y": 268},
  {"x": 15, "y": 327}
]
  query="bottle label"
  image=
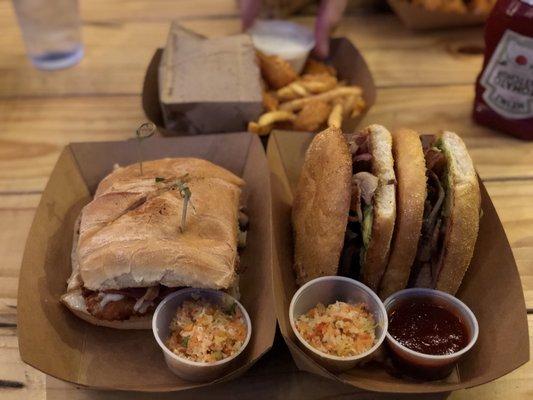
[{"x": 508, "y": 78}]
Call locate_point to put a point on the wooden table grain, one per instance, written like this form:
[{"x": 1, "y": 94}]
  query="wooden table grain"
[{"x": 425, "y": 81}]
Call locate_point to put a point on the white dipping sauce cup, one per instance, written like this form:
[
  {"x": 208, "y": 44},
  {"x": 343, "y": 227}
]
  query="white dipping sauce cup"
[
  {"x": 327, "y": 290},
  {"x": 290, "y": 41},
  {"x": 427, "y": 366},
  {"x": 184, "y": 368}
]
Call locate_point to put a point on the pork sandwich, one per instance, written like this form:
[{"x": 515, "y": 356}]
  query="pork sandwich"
[
  {"x": 345, "y": 206},
  {"x": 131, "y": 246},
  {"x": 438, "y": 213}
]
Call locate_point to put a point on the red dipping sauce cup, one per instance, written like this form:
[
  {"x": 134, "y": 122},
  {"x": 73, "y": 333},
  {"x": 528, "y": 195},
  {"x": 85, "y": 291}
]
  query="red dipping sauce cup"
[{"x": 426, "y": 366}]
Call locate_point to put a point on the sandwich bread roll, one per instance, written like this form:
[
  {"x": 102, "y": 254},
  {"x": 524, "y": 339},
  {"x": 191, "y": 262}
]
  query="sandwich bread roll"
[
  {"x": 320, "y": 207},
  {"x": 410, "y": 168},
  {"x": 374, "y": 259},
  {"x": 464, "y": 202},
  {"x": 129, "y": 247}
]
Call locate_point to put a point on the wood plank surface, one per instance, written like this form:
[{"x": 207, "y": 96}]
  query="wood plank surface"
[
  {"x": 112, "y": 64},
  {"x": 425, "y": 82}
]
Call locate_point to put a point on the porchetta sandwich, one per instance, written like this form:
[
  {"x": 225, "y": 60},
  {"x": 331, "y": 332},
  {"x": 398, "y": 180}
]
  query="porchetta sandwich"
[
  {"x": 345, "y": 206},
  {"x": 131, "y": 248},
  {"x": 438, "y": 213}
]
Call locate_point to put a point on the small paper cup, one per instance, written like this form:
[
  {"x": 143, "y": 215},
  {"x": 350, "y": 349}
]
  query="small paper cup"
[
  {"x": 184, "y": 368},
  {"x": 290, "y": 41},
  {"x": 427, "y": 366},
  {"x": 328, "y": 290}
]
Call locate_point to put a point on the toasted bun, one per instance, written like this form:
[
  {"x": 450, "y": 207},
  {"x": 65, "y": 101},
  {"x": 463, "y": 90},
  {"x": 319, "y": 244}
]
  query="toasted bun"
[
  {"x": 463, "y": 187},
  {"x": 130, "y": 233},
  {"x": 321, "y": 204},
  {"x": 76, "y": 303},
  {"x": 384, "y": 210},
  {"x": 410, "y": 168}
]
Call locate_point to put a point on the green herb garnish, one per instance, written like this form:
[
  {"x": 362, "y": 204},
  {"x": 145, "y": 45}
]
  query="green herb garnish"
[
  {"x": 144, "y": 131},
  {"x": 185, "y": 341},
  {"x": 158, "y": 179}
]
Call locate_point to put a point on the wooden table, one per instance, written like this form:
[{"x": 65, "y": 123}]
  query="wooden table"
[{"x": 425, "y": 81}]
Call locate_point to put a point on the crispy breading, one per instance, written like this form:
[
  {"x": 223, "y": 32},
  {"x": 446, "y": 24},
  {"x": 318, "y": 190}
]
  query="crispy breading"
[
  {"x": 481, "y": 6},
  {"x": 312, "y": 116},
  {"x": 270, "y": 102},
  {"x": 276, "y": 71},
  {"x": 456, "y": 6},
  {"x": 318, "y": 67}
]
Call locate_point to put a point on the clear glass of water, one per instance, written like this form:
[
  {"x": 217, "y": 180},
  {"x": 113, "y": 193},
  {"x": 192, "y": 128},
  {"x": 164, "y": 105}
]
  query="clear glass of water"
[{"x": 52, "y": 32}]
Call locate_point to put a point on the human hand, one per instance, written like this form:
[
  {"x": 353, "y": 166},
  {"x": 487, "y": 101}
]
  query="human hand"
[{"x": 329, "y": 14}]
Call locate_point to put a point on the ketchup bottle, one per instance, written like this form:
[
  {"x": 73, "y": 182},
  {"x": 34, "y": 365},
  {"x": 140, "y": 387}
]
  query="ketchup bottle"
[{"x": 504, "y": 88}]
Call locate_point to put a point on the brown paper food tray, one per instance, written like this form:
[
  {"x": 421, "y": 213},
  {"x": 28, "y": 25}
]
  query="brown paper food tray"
[
  {"x": 491, "y": 289},
  {"x": 350, "y": 64},
  {"x": 54, "y": 341},
  {"x": 418, "y": 18}
]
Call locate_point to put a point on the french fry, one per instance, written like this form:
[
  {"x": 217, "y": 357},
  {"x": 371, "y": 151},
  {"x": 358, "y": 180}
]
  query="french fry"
[
  {"x": 298, "y": 104},
  {"x": 335, "y": 116},
  {"x": 349, "y": 103},
  {"x": 254, "y": 127},
  {"x": 313, "y": 115},
  {"x": 299, "y": 89},
  {"x": 291, "y": 91},
  {"x": 271, "y": 117},
  {"x": 318, "y": 83},
  {"x": 286, "y": 93},
  {"x": 270, "y": 102}
]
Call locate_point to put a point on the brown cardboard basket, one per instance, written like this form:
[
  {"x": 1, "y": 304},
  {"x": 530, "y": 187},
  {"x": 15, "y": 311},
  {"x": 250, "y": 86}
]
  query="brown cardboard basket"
[
  {"x": 56, "y": 342},
  {"x": 491, "y": 289},
  {"x": 418, "y": 18},
  {"x": 344, "y": 56}
]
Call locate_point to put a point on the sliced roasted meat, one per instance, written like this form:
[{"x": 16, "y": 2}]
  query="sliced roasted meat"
[
  {"x": 356, "y": 213},
  {"x": 430, "y": 247},
  {"x": 367, "y": 183},
  {"x": 364, "y": 185},
  {"x": 435, "y": 160}
]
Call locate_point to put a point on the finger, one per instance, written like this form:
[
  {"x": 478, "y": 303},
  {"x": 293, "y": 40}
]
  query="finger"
[
  {"x": 329, "y": 14},
  {"x": 249, "y": 12}
]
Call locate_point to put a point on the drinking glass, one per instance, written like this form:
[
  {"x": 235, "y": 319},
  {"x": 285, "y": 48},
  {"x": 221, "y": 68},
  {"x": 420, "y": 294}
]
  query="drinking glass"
[{"x": 51, "y": 30}]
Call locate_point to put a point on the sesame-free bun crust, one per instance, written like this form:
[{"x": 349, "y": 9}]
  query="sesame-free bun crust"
[
  {"x": 463, "y": 226},
  {"x": 76, "y": 303},
  {"x": 410, "y": 168},
  {"x": 130, "y": 232},
  {"x": 384, "y": 209},
  {"x": 321, "y": 204}
]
